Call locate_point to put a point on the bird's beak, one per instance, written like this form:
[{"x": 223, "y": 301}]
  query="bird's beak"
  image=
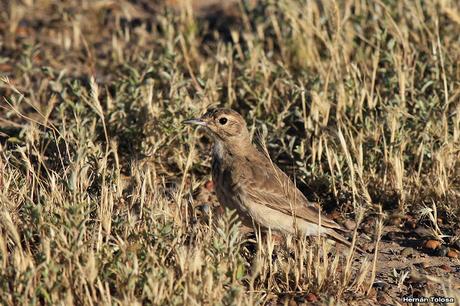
[{"x": 195, "y": 121}]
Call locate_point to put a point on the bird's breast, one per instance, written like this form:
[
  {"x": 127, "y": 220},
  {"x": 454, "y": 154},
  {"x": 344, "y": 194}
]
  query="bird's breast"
[{"x": 228, "y": 190}]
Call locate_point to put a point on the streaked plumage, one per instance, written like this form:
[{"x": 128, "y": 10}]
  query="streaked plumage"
[{"x": 246, "y": 180}]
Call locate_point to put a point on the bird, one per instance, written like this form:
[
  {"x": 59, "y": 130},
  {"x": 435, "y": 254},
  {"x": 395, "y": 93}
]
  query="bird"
[{"x": 247, "y": 181}]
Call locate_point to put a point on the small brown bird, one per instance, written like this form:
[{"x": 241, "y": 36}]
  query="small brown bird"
[{"x": 247, "y": 181}]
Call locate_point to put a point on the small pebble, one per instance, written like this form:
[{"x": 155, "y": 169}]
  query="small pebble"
[
  {"x": 292, "y": 302},
  {"x": 407, "y": 252},
  {"x": 445, "y": 268},
  {"x": 209, "y": 185},
  {"x": 368, "y": 229},
  {"x": 452, "y": 254},
  {"x": 311, "y": 297},
  {"x": 391, "y": 236},
  {"x": 432, "y": 244},
  {"x": 368, "y": 226},
  {"x": 411, "y": 224},
  {"x": 379, "y": 285},
  {"x": 204, "y": 208},
  {"x": 220, "y": 210},
  {"x": 395, "y": 220},
  {"x": 335, "y": 215},
  {"x": 442, "y": 251},
  {"x": 350, "y": 225}
]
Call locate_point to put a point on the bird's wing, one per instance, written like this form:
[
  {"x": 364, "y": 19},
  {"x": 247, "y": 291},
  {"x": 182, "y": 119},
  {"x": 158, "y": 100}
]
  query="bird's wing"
[{"x": 265, "y": 184}]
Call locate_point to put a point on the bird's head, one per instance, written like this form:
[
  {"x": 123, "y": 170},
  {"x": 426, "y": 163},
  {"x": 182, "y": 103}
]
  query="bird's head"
[{"x": 224, "y": 124}]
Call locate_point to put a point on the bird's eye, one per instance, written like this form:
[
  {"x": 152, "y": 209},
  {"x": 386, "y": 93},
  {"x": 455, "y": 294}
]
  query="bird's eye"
[{"x": 223, "y": 120}]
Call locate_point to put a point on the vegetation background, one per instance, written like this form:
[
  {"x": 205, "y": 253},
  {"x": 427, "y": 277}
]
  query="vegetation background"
[{"x": 105, "y": 197}]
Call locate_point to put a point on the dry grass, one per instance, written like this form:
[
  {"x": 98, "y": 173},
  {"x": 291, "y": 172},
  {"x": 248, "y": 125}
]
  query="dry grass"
[{"x": 101, "y": 187}]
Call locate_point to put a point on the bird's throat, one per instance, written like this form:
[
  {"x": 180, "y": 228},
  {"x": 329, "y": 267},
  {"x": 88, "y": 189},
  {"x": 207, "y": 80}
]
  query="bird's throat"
[{"x": 218, "y": 151}]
